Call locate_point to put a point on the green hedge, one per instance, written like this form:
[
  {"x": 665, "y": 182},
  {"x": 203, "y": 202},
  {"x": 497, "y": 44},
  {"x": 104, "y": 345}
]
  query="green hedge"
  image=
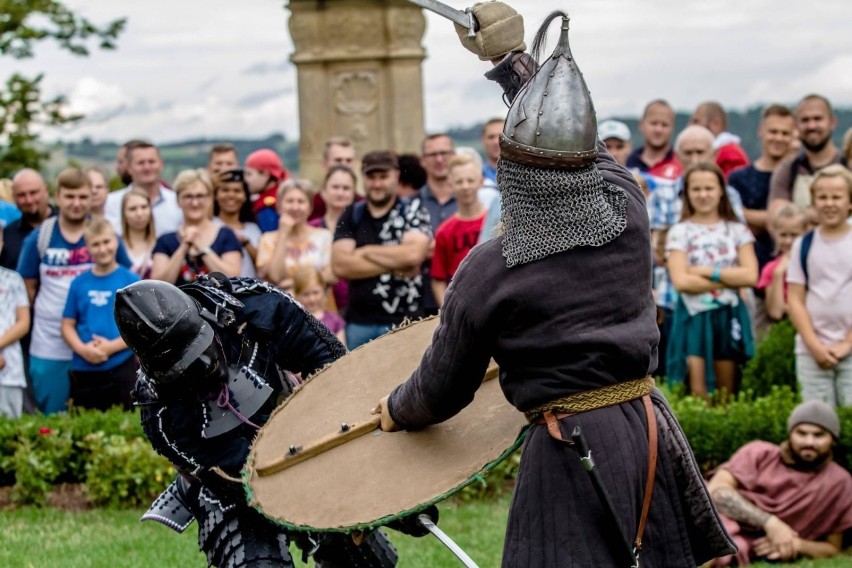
[
  {"x": 715, "y": 432},
  {"x": 105, "y": 451},
  {"x": 108, "y": 454},
  {"x": 774, "y": 362}
]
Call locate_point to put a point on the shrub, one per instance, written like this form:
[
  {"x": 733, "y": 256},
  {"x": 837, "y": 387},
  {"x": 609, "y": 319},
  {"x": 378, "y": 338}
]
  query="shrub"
[
  {"x": 38, "y": 462},
  {"x": 774, "y": 361},
  {"x": 122, "y": 472},
  {"x": 715, "y": 432},
  {"x": 106, "y": 451}
]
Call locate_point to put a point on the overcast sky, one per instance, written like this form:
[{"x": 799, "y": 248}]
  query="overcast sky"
[{"x": 220, "y": 68}]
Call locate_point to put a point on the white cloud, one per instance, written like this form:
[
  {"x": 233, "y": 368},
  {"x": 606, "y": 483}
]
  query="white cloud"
[
  {"x": 179, "y": 70},
  {"x": 834, "y": 78},
  {"x": 97, "y": 100}
]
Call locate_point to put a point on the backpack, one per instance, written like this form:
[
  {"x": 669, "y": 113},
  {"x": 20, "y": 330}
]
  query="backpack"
[
  {"x": 807, "y": 241},
  {"x": 45, "y": 233}
]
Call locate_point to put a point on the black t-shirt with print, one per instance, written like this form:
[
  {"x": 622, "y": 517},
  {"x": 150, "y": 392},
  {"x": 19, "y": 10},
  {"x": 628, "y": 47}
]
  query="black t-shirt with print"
[{"x": 384, "y": 299}]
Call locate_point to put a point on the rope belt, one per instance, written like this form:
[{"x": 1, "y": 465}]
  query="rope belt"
[
  {"x": 593, "y": 399},
  {"x": 549, "y": 414}
]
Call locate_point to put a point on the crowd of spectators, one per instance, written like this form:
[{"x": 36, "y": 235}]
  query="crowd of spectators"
[{"x": 738, "y": 245}]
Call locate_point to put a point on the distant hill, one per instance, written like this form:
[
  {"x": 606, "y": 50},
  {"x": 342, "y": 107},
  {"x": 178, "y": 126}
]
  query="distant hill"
[
  {"x": 177, "y": 156},
  {"x": 193, "y": 153}
]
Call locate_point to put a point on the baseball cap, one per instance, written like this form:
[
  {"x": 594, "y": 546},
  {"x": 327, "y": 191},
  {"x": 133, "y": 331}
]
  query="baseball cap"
[
  {"x": 613, "y": 129},
  {"x": 379, "y": 160}
]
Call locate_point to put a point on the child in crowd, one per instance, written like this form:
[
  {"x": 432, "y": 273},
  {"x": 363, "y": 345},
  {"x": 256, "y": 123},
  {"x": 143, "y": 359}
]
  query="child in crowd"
[
  {"x": 710, "y": 259},
  {"x": 787, "y": 224},
  {"x": 458, "y": 234},
  {"x": 137, "y": 228},
  {"x": 310, "y": 290},
  {"x": 14, "y": 324},
  {"x": 103, "y": 370},
  {"x": 264, "y": 172},
  {"x": 819, "y": 292}
]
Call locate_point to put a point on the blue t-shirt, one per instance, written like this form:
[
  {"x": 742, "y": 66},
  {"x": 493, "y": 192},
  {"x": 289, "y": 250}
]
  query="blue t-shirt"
[
  {"x": 91, "y": 302},
  {"x": 8, "y": 213},
  {"x": 61, "y": 263},
  {"x": 193, "y": 266}
]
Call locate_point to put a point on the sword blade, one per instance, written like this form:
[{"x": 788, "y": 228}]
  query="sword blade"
[
  {"x": 446, "y": 541},
  {"x": 464, "y": 19}
]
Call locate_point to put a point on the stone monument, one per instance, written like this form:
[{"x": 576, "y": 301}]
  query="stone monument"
[{"x": 358, "y": 65}]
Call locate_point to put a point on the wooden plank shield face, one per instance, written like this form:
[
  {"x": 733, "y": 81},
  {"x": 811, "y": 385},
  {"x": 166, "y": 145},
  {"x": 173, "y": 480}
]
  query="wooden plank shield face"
[{"x": 377, "y": 477}]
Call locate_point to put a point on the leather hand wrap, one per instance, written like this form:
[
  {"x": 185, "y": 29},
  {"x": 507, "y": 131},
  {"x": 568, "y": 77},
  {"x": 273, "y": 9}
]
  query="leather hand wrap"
[
  {"x": 501, "y": 30},
  {"x": 512, "y": 73}
]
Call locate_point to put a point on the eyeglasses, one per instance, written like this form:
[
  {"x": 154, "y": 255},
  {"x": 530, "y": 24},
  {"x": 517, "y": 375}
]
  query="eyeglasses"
[
  {"x": 441, "y": 154},
  {"x": 196, "y": 197}
]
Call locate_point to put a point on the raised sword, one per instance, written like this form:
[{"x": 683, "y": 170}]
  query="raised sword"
[{"x": 463, "y": 18}]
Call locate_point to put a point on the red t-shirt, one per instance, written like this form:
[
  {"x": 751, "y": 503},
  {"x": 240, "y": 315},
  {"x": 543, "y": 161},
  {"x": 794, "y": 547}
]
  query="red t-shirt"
[{"x": 453, "y": 241}]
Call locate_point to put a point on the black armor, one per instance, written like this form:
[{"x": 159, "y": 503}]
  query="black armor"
[{"x": 236, "y": 347}]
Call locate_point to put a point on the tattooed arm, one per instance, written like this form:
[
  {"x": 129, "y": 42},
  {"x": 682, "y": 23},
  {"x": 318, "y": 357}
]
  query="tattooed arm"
[
  {"x": 780, "y": 537},
  {"x": 723, "y": 488}
]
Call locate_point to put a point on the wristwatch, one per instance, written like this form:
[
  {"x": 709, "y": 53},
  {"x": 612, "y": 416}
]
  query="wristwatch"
[{"x": 205, "y": 251}]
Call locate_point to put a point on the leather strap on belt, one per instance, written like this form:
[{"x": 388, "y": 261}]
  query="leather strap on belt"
[
  {"x": 593, "y": 399},
  {"x": 551, "y": 413}
]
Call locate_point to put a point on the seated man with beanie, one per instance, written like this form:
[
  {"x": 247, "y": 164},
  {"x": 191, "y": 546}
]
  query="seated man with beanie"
[{"x": 788, "y": 501}]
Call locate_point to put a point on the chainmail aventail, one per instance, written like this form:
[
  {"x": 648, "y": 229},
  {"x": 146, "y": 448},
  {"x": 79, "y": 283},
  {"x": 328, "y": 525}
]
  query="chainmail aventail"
[{"x": 548, "y": 211}]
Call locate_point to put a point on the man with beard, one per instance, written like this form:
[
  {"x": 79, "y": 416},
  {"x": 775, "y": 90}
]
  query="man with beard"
[
  {"x": 378, "y": 247},
  {"x": 788, "y": 501},
  {"x": 29, "y": 191},
  {"x": 815, "y": 121}
]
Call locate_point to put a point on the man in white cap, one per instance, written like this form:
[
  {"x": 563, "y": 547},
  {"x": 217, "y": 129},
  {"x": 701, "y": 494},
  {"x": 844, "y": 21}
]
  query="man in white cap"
[
  {"x": 616, "y": 136},
  {"x": 782, "y": 502}
]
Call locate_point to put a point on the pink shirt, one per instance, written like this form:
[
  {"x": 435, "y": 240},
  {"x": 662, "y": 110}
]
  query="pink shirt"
[{"x": 814, "y": 503}]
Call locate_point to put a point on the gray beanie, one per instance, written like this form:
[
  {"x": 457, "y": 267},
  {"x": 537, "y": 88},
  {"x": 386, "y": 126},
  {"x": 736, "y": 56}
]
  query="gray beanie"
[{"x": 815, "y": 412}]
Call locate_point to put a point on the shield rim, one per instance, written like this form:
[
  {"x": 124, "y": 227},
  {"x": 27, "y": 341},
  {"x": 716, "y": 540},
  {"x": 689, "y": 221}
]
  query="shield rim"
[{"x": 249, "y": 470}]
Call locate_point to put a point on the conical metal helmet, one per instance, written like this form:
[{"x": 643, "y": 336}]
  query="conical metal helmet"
[{"x": 552, "y": 122}]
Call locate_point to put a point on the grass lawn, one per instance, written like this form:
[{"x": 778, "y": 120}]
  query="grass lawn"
[{"x": 47, "y": 538}]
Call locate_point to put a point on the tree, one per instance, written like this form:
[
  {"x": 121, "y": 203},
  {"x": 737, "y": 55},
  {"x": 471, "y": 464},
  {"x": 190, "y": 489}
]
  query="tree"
[{"x": 24, "y": 23}]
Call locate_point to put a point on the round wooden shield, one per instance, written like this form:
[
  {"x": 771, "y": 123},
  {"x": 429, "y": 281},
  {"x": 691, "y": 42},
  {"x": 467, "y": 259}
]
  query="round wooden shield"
[{"x": 298, "y": 476}]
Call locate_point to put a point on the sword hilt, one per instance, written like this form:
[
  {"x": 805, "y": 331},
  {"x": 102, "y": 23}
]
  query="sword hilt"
[{"x": 473, "y": 25}]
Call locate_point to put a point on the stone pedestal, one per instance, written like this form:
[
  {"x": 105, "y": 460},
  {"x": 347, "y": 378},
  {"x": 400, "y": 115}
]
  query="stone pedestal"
[{"x": 358, "y": 64}]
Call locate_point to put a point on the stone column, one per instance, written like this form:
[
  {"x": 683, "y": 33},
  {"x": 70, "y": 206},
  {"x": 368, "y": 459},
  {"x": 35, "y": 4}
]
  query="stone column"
[{"x": 358, "y": 65}]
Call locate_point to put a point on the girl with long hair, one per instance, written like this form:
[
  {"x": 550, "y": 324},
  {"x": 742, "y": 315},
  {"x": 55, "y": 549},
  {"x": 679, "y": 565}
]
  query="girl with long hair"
[
  {"x": 137, "y": 230},
  {"x": 710, "y": 257}
]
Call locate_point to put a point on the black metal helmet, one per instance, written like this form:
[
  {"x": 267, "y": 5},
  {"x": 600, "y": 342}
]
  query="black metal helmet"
[{"x": 163, "y": 326}]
